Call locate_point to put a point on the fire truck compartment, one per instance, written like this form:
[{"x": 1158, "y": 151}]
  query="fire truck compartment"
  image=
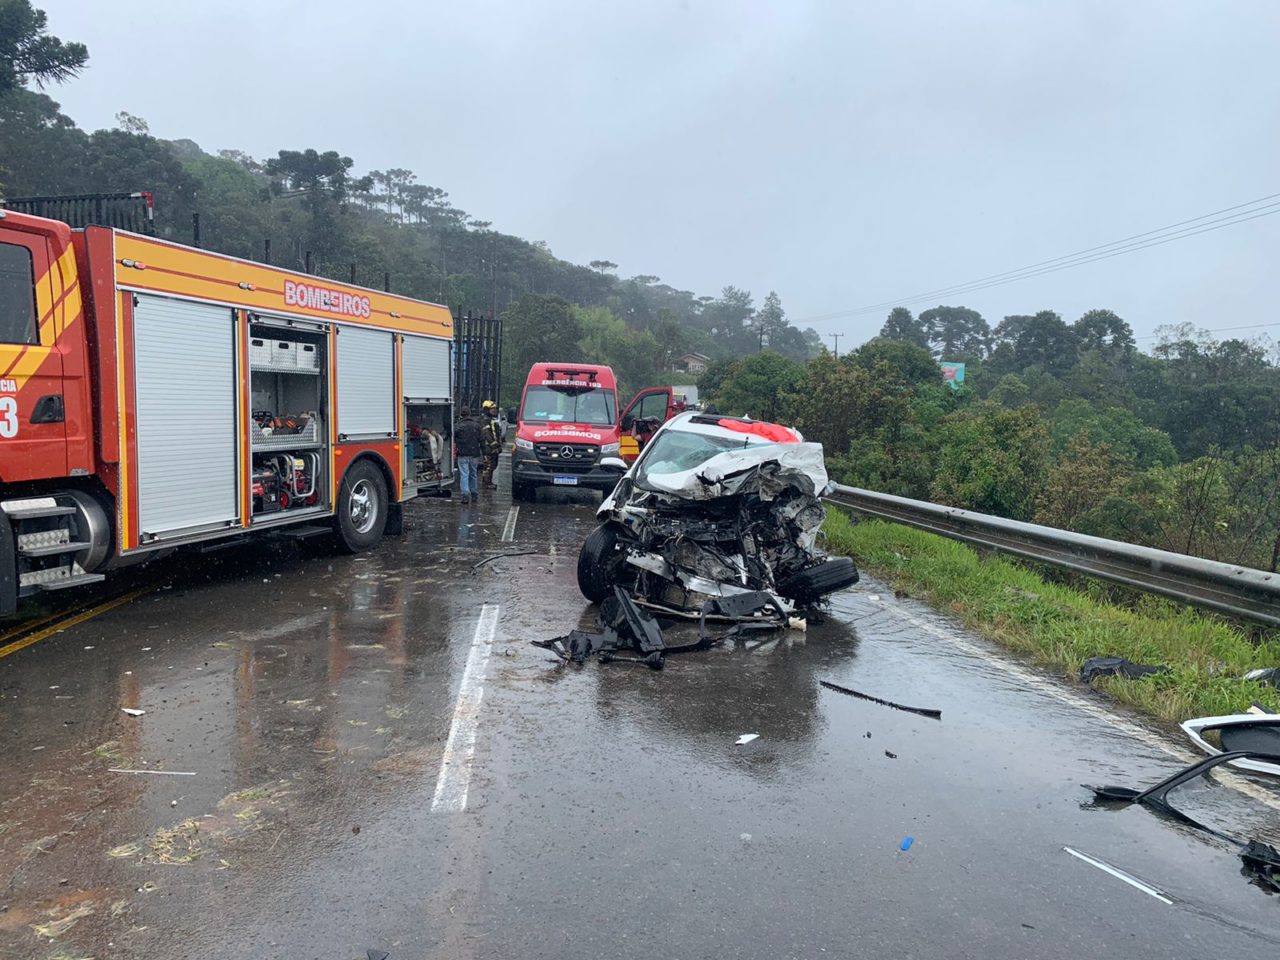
[
  {"x": 366, "y": 384},
  {"x": 427, "y": 368},
  {"x": 186, "y": 416},
  {"x": 287, "y": 425},
  {"x": 428, "y": 445}
]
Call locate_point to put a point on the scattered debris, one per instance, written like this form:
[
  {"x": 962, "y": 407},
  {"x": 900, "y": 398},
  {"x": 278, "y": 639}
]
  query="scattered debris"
[
  {"x": 1240, "y": 731},
  {"x": 744, "y": 837},
  {"x": 1268, "y": 675},
  {"x": 1261, "y": 860},
  {"x": 921, "y": 711},
  {"x": 624, "y": 624},
  {"x": 907, "y": 841},
  {"x": 372, "y": 954},
  {"x": 746, "y": 738},
  {"x": 500, "y": 556},
  {"x": 1096, "y": 667},
  {"x": 133, "y": 711},
  {"x": 1119, "y": 875},
  {"x": 125, "y": 850},
  {"x": 891, "y": 755}
]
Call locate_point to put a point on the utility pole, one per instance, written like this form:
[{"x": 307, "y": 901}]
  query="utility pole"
[{"x": 835, "y": 343}]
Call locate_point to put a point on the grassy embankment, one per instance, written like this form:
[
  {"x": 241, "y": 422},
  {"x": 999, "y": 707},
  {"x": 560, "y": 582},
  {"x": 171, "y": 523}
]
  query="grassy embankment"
[{"x": 1058, "y": 627}]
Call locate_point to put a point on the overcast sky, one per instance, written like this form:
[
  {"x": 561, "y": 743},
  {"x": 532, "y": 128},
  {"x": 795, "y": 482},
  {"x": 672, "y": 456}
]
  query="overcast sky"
[{"x": 842, "y": 153}]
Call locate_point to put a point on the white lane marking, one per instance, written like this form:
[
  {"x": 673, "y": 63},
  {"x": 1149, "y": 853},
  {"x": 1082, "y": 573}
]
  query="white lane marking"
[
  {"x": 455, "y": 766},
  {"x": 159, "y": 773},
  {"x": 1128, "y": 727},
  {"x": 509, "y": 531},
  {"x": 1119, "y": 874}
]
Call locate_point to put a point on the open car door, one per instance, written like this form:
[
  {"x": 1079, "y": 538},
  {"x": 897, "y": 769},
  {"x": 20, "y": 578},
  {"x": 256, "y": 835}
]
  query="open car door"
[{"x": 648, "y": 410}]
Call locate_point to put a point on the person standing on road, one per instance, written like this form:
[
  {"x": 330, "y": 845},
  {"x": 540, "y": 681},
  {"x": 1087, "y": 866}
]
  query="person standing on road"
[
  {"x": 491, "y": 441},
  {"x": 467, "y": 448}
]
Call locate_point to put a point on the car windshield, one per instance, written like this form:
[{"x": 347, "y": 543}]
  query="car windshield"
[
  {"x": 675, "y": 451},
  {"x": 567, "y": 405}
]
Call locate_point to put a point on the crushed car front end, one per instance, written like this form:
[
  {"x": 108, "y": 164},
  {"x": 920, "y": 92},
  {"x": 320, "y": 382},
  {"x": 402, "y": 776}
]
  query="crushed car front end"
[{"x": 716, "y": 507}]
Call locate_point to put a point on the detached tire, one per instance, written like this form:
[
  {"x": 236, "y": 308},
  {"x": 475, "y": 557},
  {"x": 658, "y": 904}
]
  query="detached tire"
[
  {"x": 596, "y": 562},
  {"x": 814, "y": 583},
  {"x": 362, "y": 508}
]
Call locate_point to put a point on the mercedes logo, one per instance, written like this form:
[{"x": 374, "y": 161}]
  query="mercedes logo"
[{"x": 566, "y": 452}]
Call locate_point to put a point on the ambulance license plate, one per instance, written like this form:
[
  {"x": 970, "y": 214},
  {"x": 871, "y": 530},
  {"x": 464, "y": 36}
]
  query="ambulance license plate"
[{"x": 565, "y": 481}]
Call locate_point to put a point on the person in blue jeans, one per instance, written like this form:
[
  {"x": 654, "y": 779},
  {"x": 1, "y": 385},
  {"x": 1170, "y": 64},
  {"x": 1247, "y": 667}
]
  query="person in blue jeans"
[{"x": 467, "y": 442}]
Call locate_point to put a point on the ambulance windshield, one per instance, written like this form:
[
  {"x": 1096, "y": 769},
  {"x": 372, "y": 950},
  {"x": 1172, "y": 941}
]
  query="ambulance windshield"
[{"x": 594, "y": 405}]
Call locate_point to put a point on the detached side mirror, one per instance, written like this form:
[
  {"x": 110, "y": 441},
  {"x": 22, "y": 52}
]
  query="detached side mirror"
[{"x": 614, "y": 463}]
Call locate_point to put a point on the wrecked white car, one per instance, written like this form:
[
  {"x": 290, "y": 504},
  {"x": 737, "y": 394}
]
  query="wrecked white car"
[{"x": 715, "y": 507}]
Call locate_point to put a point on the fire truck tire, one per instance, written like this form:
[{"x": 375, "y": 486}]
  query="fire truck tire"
[
  {"x": 362, "y": 508},
  {"x": 597, "y": 562}
]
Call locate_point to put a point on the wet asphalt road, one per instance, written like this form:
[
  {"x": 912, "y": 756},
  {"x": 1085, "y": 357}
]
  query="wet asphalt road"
[{"x": 371, "y": 772}]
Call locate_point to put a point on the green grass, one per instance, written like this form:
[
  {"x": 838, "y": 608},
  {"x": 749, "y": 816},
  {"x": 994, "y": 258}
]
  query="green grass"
[{"x": 1058, "y": 627}]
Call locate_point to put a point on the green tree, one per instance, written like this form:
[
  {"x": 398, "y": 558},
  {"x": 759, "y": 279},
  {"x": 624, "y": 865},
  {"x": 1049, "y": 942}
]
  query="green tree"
[
  {"x": 911, "y": 363},
  {"x": 1104, "y": 331},
  {"x": 1125, "y": 436},
  {"x": 993, "y": 460},
  {"x": 1078, "y": 487},
  {"x": 956, "y": 333},
  {"x": 770, "y": 320},
  {"x": 538, "y": 328},
  {"x": 758, "y": 386},
  {"x": 1042, "y": 341},
  {"x": 28, "y": 52},
  {"x": 901, "y": 325}
]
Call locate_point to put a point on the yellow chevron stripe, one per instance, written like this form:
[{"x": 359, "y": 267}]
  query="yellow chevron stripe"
[{"x": 61, "y": 276}]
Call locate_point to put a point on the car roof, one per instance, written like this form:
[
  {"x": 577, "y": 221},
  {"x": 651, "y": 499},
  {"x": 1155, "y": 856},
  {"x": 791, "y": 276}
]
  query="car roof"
[{"x": 709, "y": 424}]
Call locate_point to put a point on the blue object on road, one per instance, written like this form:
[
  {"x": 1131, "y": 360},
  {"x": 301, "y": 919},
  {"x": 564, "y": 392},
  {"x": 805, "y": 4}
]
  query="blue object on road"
[{"x": 906, "y": 843}]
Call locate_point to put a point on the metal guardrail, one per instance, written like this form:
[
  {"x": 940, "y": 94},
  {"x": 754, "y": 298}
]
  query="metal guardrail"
[{"x": 1239, "y": 591}]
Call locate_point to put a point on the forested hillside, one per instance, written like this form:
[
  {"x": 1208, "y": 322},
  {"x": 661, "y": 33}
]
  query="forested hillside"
[{"x": 314, "y": 205}]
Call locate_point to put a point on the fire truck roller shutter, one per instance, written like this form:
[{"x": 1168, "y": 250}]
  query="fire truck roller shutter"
[
  {"x": 366, "y": 383},
  {"x": 426, "y": 368},
  {"x": 186, "y": 415}
]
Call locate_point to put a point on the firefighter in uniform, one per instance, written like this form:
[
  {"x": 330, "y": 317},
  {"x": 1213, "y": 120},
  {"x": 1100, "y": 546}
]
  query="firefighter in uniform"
[{"x": 491, "y": 442}]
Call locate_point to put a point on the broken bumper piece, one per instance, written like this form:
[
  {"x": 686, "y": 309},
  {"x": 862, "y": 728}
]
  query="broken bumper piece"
[{"x": 626, "y": 626}]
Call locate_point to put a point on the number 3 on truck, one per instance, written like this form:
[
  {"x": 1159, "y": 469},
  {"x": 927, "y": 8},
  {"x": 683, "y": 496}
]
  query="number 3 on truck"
[{"x": 8, "y": 417}]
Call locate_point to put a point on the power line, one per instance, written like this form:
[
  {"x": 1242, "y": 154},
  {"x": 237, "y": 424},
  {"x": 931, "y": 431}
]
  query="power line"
[
  {"x": 1140, "y": 241},
  {"x": 1248, "y": 326}
]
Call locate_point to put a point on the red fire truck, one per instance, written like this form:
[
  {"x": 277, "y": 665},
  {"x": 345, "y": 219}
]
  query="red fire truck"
[{"x": 154, "y": 395}]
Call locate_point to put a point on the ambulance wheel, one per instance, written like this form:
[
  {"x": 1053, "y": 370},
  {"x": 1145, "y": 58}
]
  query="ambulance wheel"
[{"x": 362, "y": 508}]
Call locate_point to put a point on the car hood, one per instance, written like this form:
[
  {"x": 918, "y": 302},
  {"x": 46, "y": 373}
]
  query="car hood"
[{"x": 765, "y": 470}]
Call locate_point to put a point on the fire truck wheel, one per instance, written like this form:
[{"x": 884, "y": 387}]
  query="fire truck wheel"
[
  {"x": 362, "y": 508},
  {"x": 597, "y": 563}
]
